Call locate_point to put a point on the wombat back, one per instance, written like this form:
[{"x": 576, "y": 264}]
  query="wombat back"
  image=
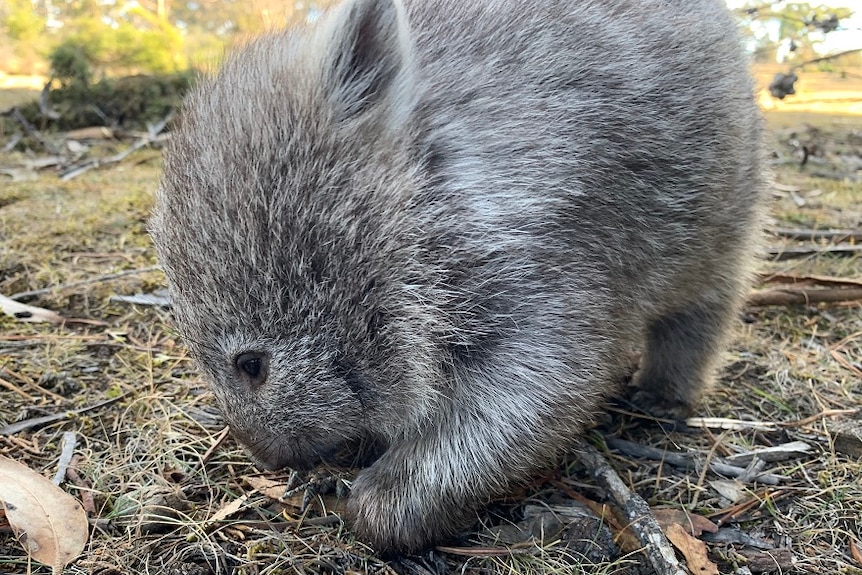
[{"x": 439, "y": 228}]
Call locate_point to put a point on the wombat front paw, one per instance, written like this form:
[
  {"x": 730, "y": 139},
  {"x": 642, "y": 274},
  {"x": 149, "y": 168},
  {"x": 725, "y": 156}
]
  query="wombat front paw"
[
  {"x": 661, "y": 399},
  {"x": 393, "y": 516},
  {"x": 647, "y": 400}
]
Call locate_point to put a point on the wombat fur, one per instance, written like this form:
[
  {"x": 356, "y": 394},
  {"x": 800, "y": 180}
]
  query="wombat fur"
[{"x": 441, "y": 227}]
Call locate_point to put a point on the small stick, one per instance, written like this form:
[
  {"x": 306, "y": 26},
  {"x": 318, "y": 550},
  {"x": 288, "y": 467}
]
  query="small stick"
[
  {"x": 87, "y": 500},
  {"x": 70, "y": 441},
  {"x": 15, "y": 389},
  {"x": 30, "y": 129},
  {"x": 106, "y": 277},
  {"x": 218, "y": 441},
  {"x": 792, "y": 296},
  {"x": 642, "y": 522},
  {"x": 826, "y": 281},
  {"x": 685, "y": 461},
  {"x": 813, "y": 235},
  {"x": 818, "y": 416},
  {"x": 149, "y": 138},
  {"x": 781, "y": 253},
  {"x": 18, "y": 426}
]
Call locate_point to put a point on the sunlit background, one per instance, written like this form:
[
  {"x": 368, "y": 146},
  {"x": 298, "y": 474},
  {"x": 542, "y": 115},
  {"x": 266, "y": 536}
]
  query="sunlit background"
[{"x": 95, "y": 39}]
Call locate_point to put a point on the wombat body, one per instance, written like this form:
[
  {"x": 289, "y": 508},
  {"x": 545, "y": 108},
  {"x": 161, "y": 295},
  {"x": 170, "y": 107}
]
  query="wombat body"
[{"x": 442, "y": 228}]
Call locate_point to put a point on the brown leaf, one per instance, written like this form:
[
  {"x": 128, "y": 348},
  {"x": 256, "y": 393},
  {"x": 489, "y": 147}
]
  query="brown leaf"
[
  {"x": 692, "y": 523},
  {"x": 229, "y": 509},
  {"x": 49, "y": 523},
  {"x": 275, "y": 490},
  {"x": 855, "y": 552},
  {"x": 694, "y": 550}
]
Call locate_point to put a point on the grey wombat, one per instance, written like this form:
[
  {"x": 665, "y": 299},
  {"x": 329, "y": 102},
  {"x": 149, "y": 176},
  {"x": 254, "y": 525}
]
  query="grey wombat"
[{"x": 441, "y": 227}]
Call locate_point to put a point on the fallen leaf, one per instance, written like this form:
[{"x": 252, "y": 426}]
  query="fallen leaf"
[
  {"x": 274, "y": 490},
  {"x": 50, "y": 524},
  {"x": 229, "y": 509},
  {"x": 731, "y": 489},
  {"x": 855, "y": 552},
  {"x": 694, "y": 550},
  {"x": 692, "y": 523},
  {"x": 23, "y": 312}
]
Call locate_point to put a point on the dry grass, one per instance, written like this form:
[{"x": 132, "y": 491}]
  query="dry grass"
[{"x": 158, "y": 467}]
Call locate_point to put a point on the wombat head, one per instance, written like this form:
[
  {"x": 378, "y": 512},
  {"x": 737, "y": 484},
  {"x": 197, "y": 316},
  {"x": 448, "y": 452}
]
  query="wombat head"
[{"x": 283, "y": 226}]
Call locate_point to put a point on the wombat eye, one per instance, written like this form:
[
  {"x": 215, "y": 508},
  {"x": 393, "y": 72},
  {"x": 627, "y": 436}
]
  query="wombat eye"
[{"x": 253, "y": 365}]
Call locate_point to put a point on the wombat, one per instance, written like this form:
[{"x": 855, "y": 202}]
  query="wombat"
[{"x": 440, "y": 227}]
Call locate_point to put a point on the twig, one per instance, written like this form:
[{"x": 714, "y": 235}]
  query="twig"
[
  {"x": 838, "y": 290},
  {"x": 781, "y": 253},
  {"x": 826, "y": 58},
  {"x": 102, "y": 278},
  {"x": 810, "y": 280},
  {"x": 149, "y": 138},
  {"x": 13, "y": 141},
  {"x": 45, "y": 106},
  {"x": 844, "y": 362},
  {"x": 642, "y": 522},
  {"x": 14, "y": 428},
  {"x": 687, "y": 461},
  {"x": 78, "y": 169},
  {"x": 70, "y": 441},
  {"x": 818, "y": 416},
  {"x": 814, "y": 235},
  {"x": 15, "y": 389},
  {"x": 30, "y": 129},
  {"x": 86, "y": 493},
  {"x": 791, "y": 296},
  {"x": 218, "y": 441}
]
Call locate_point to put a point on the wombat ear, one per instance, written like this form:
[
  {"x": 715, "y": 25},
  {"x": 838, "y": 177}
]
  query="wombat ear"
[{"x": 369, "y": 58}]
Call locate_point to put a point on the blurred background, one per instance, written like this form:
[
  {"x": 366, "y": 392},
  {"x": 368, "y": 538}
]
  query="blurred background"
[{"x": 88, "y": 42}]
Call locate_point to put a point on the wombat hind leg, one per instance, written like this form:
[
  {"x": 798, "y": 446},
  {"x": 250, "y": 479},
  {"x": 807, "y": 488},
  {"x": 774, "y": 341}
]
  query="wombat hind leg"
[{"x": 682, "y": 350}]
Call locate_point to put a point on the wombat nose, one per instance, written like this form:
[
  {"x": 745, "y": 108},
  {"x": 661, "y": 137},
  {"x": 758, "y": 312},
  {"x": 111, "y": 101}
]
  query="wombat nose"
[{"x": 252, "y": 368}]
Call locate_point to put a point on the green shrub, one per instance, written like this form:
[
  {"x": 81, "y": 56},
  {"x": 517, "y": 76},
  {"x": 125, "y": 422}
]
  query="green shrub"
[
  {"x": 70, "y": 63},
  {"x": 131, "y": 102}
]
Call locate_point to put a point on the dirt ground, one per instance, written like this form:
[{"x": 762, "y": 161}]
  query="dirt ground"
[{"x": 168, "y": 491}]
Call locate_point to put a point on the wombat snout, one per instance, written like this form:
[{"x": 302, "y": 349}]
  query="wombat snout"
[{"x": 439, "y": 228}]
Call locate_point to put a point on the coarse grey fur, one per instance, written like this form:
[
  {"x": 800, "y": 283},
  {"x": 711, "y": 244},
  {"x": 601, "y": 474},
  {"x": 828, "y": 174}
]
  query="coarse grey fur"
[{"x": 440, "y": 228}]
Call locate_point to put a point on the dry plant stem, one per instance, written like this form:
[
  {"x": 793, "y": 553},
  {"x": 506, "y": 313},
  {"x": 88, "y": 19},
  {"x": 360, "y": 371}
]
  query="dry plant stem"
[
  {"x": 822, "y": 415},
  {"x": 809, "y": 280},
  {"x": 834, "y": 235},
  {"x": 19, "y": 426},
  {"x": 218, "y": 441},
  {"x": 781, "y": 253},
  {"x": 86, "y": 493},
  {"x": 643, "y": 524},
  {"x": 844, "y": 362},
  {"x": 102, "y": 278},
  {"x": 685, "y": 461},
  {"x": 826, "y": 58},
  {"x": 15, "y": 389},
  {"x": 792, "y": 296},
  {"x": 77, "y": 170}
]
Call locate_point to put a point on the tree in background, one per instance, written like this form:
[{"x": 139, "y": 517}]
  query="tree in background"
[
  {"x": 120, "y": 37},
  {"x": 126, "y": 40},
  {"x": 791, "y": 32},
  {"x": 21, "y": 32}
]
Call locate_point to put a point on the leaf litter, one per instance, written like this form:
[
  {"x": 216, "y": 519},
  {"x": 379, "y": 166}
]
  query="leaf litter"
[{"x": 172, "y": 494}]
